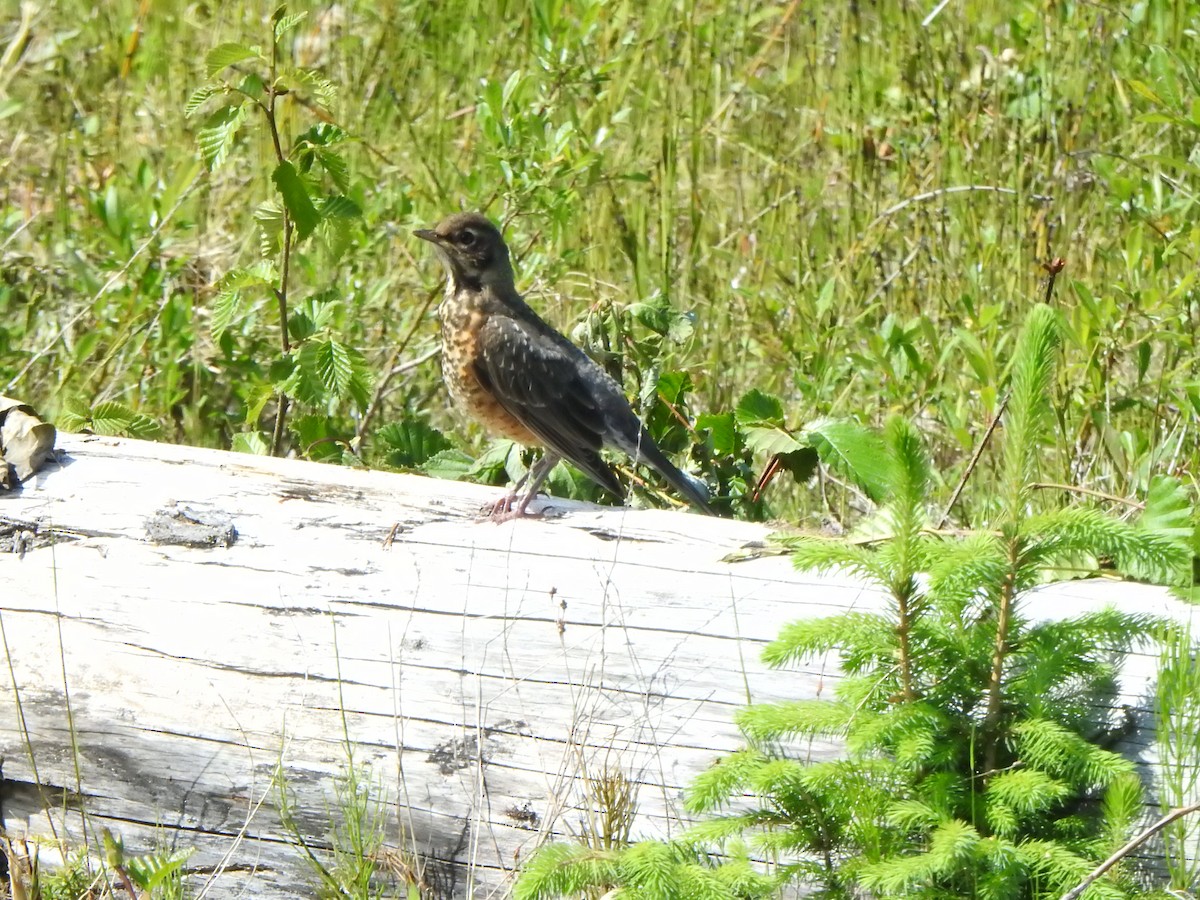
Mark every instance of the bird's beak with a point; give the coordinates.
(426, 235)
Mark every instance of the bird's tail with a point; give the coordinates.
(691, 488)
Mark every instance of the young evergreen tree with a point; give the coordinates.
(975, 761)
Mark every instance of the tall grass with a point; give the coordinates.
(854, 201)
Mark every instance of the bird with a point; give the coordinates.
(523, 380)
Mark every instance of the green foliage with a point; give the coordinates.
(832, 206)
(313, 366)
(108, 417)
(1177, 742)
(976, 734)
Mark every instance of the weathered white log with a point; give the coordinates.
(477, 672)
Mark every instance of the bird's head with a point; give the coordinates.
(472, 250)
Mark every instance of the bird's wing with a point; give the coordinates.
(546, 387)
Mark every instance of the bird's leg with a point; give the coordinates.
(505, 503)
(505, 508)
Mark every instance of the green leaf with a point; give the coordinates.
(226, 307)
(411, 443)
(770, 440)
(251, 442)
(759, 409)
(295, 198)
(1168, 510)
(151, 871)
(323, 134)
(339, 208)
(452, 465)
(216, 137)
(224, 55)
(336, 167)
(324, 91)
(339, 369)
(720, 427)
(285, 21)
(852, 451)
(201, 95)
(112, 418)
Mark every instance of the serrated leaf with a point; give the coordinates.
(411, 443)
(223, 55)
(74, 415)
(852, 451)
(337, 234)
(216, 137)
(759, 410)
(144, 427)
(324, 91)
(251, 442)
(226, 309)
(323, 134)
(453, 465)
(764, 439)
(336, 167)
(200, 96)
(341, 370)
(295, 198)
(1168, 509)
(339, 208)
(110, 418)
(287, 22)
(117, 419)
(720, 427)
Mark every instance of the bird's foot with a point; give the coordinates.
(509, 507)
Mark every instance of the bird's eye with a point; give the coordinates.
(466, 237)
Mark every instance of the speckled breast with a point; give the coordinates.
(461, 322)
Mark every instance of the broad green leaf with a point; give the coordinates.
(1168, 509)
(200, 96)
(341, 370)
(251, 442)
(228, 54)
(720, 427)
(295, 198)
(411, 443)
(216, 137)
(852, 451)
(226, 306)
(74, 416)
(449, 464)
(759, 409)
(339, 208)
(336, 167)
(110, 418)
(768, 440)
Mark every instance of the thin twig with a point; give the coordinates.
(1137, 841)
(1052, 268)
(392, 369)
(957, 189)
(281, 293)
(962, 482)
(1049, 486)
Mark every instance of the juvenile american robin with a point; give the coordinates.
(523, 380)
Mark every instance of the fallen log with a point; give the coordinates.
(201, 645)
